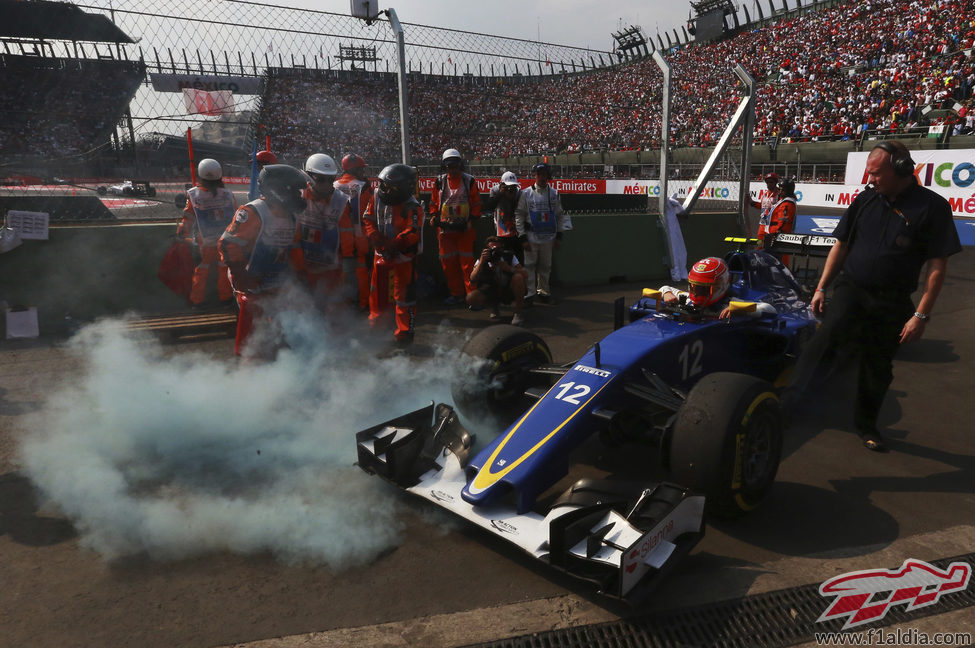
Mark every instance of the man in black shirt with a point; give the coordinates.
(883, 240)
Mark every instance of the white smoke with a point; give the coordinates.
(174, 454)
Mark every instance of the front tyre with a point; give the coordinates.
(497, 389)
(727, 442)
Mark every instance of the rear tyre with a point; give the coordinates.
(101, 191)
(151, 192)
(496, 390)
(727, 442)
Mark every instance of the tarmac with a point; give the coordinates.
(835, 508)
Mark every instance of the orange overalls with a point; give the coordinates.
(323, 239)
(454, 203)
(360, 196)
(394, 232)
(256, 247)
(205, 217)
(782, 220)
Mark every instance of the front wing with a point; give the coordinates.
(622, 539)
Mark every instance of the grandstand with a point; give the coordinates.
(61, 105)
(849, 70)
(830, 71)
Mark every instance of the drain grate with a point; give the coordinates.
(780, 618)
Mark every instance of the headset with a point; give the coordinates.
(900, 157)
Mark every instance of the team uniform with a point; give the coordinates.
(781, 220)
(539, 219)
(394, 233)
(503, 205)
(456, 202)
(205, 217)
(360, 194)
(324, 237)
(256, 247)
(888, 243)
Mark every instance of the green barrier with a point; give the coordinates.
(89, 271)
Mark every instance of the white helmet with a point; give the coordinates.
(450, 153)
(509, 178)
(321, 164)
(209, 169)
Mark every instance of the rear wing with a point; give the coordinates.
(802, 248)
(799, 244)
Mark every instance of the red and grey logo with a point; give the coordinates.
(865, 596)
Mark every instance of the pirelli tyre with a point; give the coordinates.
(727, 442)
(496, 390)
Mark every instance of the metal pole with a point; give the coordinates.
(665, 128)
(404, 117)
(747, 133)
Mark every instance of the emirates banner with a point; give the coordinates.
(484, 185)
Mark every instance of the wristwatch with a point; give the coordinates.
(924, 317)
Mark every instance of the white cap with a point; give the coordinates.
(509, 178)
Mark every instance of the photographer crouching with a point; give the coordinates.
(498, 279)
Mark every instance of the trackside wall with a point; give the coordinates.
(90, 271)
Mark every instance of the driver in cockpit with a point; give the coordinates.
(708, 284)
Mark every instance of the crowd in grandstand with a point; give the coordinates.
(62, 107)
(828, 73)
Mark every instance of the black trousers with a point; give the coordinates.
(863, 322)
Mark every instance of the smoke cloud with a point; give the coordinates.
(174, 454)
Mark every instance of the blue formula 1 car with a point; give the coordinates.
(697, 387)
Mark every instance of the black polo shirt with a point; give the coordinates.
(890, 242)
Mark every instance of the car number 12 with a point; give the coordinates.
(578, 391)
(690, 359)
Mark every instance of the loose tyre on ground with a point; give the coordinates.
(727, 442)
(497, 390)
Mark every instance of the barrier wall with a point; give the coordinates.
(89, 271)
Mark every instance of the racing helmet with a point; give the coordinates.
(283, 184)
(321, 164)
(351, 162)
(209, 169)
(543, 167)
(397, 182)
(451, 156)
(266, 157)
(709, 280)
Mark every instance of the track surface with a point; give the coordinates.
(835, 508)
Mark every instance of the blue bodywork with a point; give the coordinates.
(678, 346)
